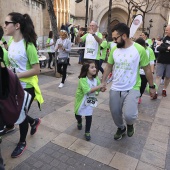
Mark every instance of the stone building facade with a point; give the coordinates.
(35, 8)
(98, 11)
(62, 11)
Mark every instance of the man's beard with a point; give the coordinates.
(121, 44)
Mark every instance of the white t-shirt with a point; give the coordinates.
(83, 109)
(17, 56)
(127, 62)
(52, 48)
(91, 47)
(18, 59)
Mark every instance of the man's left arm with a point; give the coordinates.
(149, 76)
(97, 38)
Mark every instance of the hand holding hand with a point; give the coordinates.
(103, 87)
(153, 94)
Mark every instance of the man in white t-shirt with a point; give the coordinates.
(127, 58)
(92, 40)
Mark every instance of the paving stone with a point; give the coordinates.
(55, 163)
(162, 121)
(38, 164)
(101, 154)
(58, 120)
(162, 137)
(82, 147)
(56, 154)
(142, 166)
(64, 158)
(22, 166)
(44, 157)
(160, 128)
(156, 146)
(71, 161)
(153, 158)
(167, 165)
(50, 105)
(64, 140)
(48, 151)
(7, 148)
(79, 157)
(123, 162)
(46, 167)
(60, 104)
(62, 166)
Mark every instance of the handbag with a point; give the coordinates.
(62, 60)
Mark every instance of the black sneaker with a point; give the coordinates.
(79, 126)
(119, 134)
(34, 127)
(7, 130)
(2, 132)
(19, 150)
(130, 130)
(87, 136)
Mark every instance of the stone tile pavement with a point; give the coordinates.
(59, 145)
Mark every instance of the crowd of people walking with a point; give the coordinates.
(130, 66)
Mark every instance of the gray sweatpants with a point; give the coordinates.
(124, 102)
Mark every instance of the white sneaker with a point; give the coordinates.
(61, 85)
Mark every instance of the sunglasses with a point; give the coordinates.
(115, 38)
(9, 22)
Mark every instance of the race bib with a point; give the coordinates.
(90, 51)
(91, 101)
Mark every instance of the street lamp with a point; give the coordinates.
(164, 29)
(150, 26)
(134, 12)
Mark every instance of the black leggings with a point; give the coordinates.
(23, 127)
(62, 69)
(88, 122)
(143, 84)
(51, 56)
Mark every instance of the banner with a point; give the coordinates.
(137, 21)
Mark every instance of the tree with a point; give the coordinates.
(144, 6)
(53, 20)
(130, 7)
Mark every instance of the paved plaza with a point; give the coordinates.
(58, 145)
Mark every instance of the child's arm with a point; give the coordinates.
(97, 88)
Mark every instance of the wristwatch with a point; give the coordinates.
(152, 87)
(93, 35)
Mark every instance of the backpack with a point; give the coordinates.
(14, 101)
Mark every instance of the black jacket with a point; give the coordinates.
(164, 54)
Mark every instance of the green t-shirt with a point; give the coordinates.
(5, 57)
(84, 39)
(3, 39)
(149, 42)
(104, 45)
(82, 90)
(127, 62)
(151, 54)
